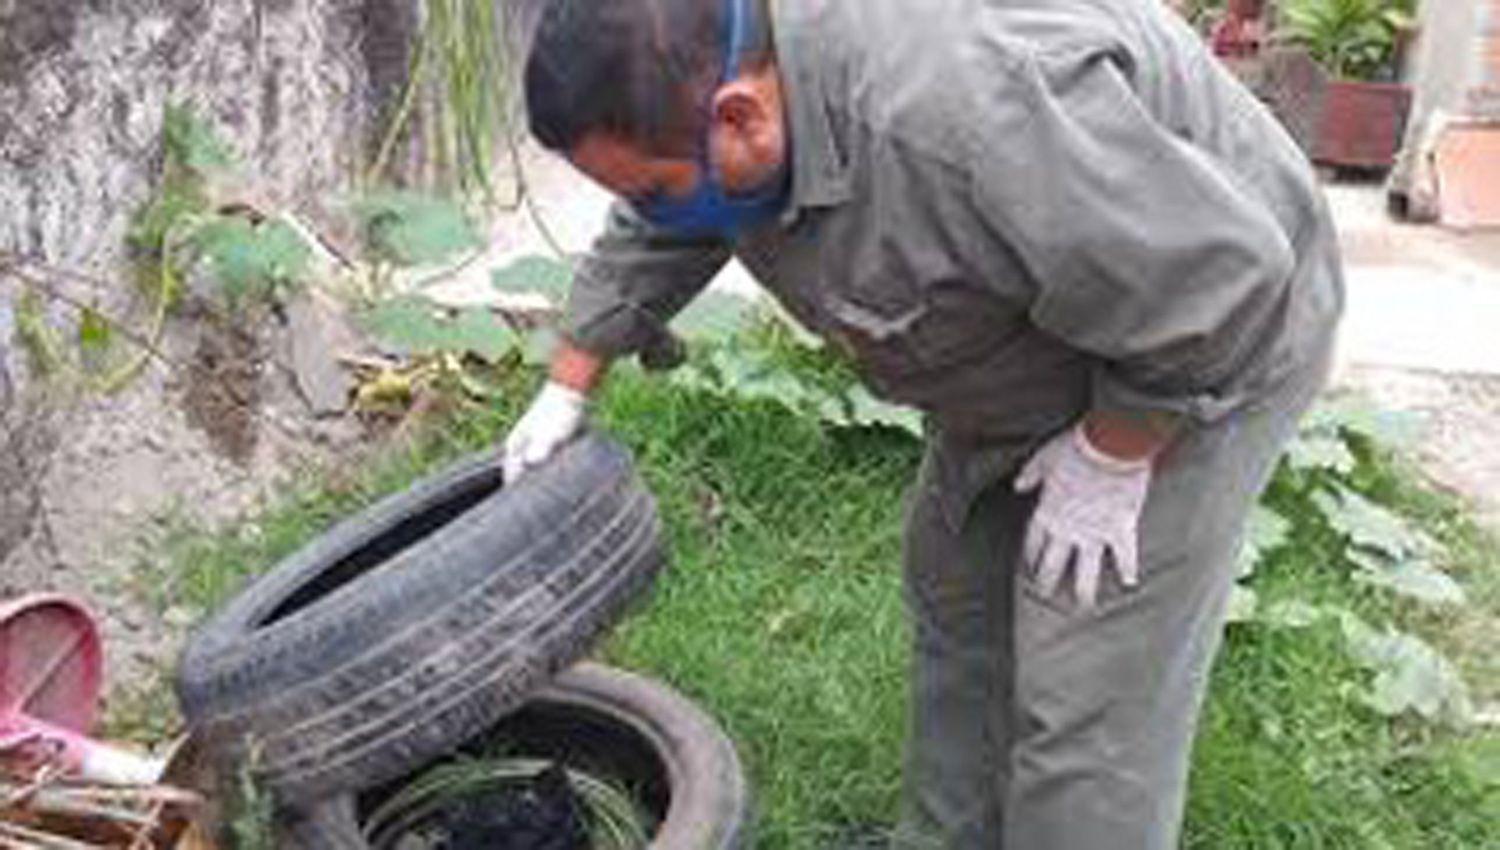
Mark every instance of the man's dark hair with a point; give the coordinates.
(642, 70)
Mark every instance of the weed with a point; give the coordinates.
(609, 812)
(458, 98)
(251, 809)
(176, 233)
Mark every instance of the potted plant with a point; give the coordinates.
(1364, 109)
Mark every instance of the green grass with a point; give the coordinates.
(1470, 634)
(782, 615)
(1288, 756)
(783, 612)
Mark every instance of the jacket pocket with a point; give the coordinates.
(911, 339)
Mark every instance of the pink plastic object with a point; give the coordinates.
(51, 663)
(51, 672)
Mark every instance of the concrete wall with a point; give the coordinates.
(296, 87)
(1448, 77)
(83, 84)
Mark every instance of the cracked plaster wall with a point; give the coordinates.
(295, 87)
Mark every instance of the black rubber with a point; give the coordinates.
(708, 806)
(629, 725)
(330, 825)
(411, 627)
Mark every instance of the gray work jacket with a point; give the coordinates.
(1010, 212)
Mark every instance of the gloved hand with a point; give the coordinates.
(555, 416)
(1090, 503)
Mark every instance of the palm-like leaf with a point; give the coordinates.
(1351, 38)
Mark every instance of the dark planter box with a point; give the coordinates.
(1361, 124)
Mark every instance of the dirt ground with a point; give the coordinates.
(167, 447)
(1460, 443)
(1424, 304)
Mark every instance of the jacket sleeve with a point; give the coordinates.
(1144, 250)
(632, 282)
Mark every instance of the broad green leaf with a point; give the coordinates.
(1371, 525)
(410, 229)
(744, 375)
(1390, 428)
(538, 345)
(1409, 674)
(1419, 581)
(748, 358)
(229, 246)
(715, 316)
(407, 325)
(866, 409)
(1265, 530)
(480, 332)
(1414, 576)
(1313, 451)
(1242, 604)
(250, 261)
(748, 374)
(415, 326)
(191, 142)
(542, 275)
(286, 253)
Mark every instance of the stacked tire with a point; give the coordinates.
(418, 624)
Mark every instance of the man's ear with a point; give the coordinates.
(737, 105)
(748, 141)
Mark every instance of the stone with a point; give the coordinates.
(318, 334)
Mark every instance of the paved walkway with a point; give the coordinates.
(1423, 334)
(1420, 298)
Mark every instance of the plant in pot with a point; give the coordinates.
(1359, 43)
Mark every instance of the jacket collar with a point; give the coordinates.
(808, 66)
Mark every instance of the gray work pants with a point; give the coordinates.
(1036, 726)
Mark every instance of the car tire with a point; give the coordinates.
(598, 715)
(412, 626)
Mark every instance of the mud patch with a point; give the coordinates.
(1460, 446)
(222, 395)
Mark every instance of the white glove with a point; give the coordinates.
(1090, 503)
(555, 416)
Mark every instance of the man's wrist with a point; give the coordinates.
(577, 369)
(1129, 436)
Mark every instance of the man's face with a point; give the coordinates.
(747, 141)
(630, 172)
